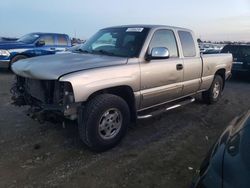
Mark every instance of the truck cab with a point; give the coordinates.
(31, 45)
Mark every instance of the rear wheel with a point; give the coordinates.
(103, 121)
(214, 93)
(16, 58)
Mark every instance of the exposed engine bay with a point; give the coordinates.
(48, 99)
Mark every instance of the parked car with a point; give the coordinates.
(122, 73)
(227, 164)
(210, 48)
(241, 57)
(31, 45)
(211, 51)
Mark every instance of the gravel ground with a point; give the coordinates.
(164, 151)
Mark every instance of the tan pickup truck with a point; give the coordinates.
(119, 75)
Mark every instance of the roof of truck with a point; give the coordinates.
(147, 26)
(43, 33)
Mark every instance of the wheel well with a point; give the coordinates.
(24, 55)
(125, 92)
(222, 73)
(16, 55)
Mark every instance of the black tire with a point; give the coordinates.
(15, 59)
(209, 96)
(91, 115)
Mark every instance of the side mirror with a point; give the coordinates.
(158, 53)
(40, 43)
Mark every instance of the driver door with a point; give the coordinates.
(161, 79)
(48, 48)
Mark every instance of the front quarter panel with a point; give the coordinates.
(87, 82)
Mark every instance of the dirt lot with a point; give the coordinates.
(155, 153)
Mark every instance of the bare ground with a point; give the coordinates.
(157, 152)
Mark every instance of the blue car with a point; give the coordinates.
(31, 45)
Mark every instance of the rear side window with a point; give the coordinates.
(187, 43)
(48, 39)
(165, 38)
(62, 40)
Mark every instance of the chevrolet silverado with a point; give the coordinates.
(119, 75)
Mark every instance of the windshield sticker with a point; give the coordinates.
(134, 30)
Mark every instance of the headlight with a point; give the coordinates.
(4, 53)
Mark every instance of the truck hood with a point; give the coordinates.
(51, 67)
(7, 45)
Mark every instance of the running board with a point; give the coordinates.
(150, 113)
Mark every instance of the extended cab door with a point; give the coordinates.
(161, 79)
(62, 43)
(192, 63)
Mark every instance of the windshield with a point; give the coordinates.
(30, 38)
(122, 42)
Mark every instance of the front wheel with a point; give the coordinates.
(214, 93)
(103, 121)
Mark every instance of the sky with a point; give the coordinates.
(214, 20)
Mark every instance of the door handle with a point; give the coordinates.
(52, 48)
(179, 66)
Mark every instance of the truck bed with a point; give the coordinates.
(221, 61)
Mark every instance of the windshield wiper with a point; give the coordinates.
(83, 51)
(103, 52)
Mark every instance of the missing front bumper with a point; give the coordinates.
(45, 98)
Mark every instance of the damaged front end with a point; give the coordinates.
(48, 99)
